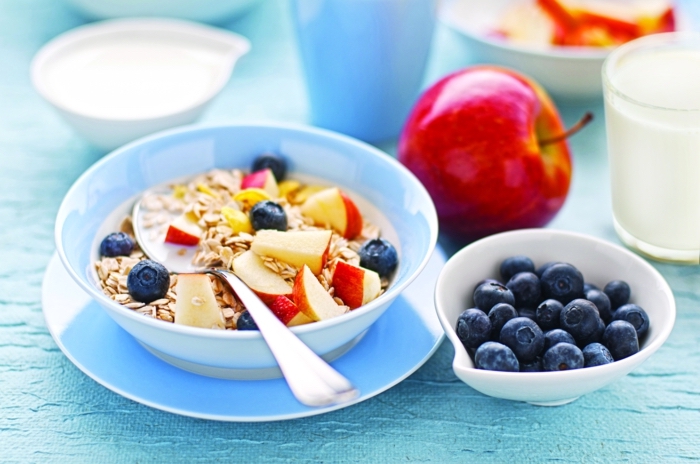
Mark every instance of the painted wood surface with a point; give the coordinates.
(51, 412)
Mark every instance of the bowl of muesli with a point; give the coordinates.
(325, 229)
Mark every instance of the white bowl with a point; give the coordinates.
(572, 73)
(115, 81)
(598, 260)
(208, 11)
(386, 193)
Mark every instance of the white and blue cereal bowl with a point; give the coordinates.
(386, 193)
(599, 261)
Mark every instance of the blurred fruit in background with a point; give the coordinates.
(593, 23)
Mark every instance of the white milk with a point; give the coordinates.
(136, 78)
(654, 151)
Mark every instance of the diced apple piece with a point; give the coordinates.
(312, 299)
(332, 208)
(183, 231)
(355, 285)
(263, 179)
(300, 195)
(196, 304)
(266, 283)
(287, 312)
(296, 248)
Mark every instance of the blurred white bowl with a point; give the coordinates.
(598, 260)
(566, 72)
(208, 11)
(115, 81)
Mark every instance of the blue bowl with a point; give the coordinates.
(393, 198)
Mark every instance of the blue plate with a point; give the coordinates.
(401, 340)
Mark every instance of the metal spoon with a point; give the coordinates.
(311, 379)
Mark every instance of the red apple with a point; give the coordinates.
(263, 179)
(287, 312)
(312, 299)
(333, 208)
(485, 142)
(183, 231)
(355, 285)
(266, 283)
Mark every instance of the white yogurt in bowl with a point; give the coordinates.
(115, 81)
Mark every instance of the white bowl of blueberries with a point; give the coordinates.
(545, 316)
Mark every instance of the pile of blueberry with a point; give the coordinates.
(549, 319)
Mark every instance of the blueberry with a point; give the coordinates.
(595, 354)
(619, 293)
(473, 327)
(379, 256)
(116, 244)
(499, 315)
(525, 287)
(267, 214)
(554, 336)
(562, 357)
(275, 163)
(562, 282)
(527, 312)
(547, 314)
(540, 270)
(595, 336)
(148, 281)
(524, 337)
(589, 286)
(602, 302)
(514, 264)
(534, 366)
(580, 318)
(494, 356)
(485, 281)
(620, 337)
(487, 295)
(246, 322)
(635, 316)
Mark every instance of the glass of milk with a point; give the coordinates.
(652, 112)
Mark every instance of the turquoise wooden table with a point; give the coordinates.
(50, 411)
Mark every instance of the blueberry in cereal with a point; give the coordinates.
(116, 244)
(148, 281)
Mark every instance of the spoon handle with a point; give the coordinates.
(311, 379)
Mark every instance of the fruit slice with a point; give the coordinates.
(296, 248)
(332, 208)
(250, 196)
(196, 304)
(183, 231)
(263, 179)
(287, 312)
(266, 283)
(355, 285)
(237, 220)
(312, 299)
(299, 196)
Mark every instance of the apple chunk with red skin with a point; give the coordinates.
(183, 231)
(294, 247)
(312, 299)
(333, 208)
(355, 285)
(475, 139)
(267, 284)
(288, 312)
(263, 179)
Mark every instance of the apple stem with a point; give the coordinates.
(588, 117)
